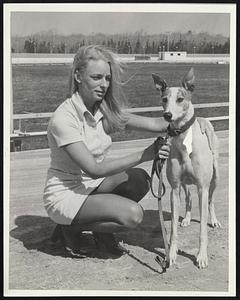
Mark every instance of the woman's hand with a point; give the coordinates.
(162, 148)
(156, 150)
(163, 152)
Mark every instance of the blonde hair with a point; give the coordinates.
(111, 106)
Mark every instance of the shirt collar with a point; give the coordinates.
(83, 112)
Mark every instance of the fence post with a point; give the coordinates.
(15, 145)
(11, 103)
(12, 143)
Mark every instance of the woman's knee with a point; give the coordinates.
(132, 184)
(138, 183)
(134, 217)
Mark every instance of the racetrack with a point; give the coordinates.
(38, 267)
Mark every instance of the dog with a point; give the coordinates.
(192, 160)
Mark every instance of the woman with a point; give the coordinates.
(84, 189)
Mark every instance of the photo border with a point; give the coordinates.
(121, 7)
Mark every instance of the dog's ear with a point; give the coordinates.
(160, 83)
(188, 80)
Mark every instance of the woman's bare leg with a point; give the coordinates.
(112, 206)
(132, 184)
(108, 213)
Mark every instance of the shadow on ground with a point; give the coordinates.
(35, 232)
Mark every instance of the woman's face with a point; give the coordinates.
(95, 81)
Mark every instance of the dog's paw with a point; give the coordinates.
(215, 223)
(185, 222)
(173, 255)
(202, 260)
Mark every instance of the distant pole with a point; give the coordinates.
(168, 33)
(11, 103)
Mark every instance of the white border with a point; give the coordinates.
(122, 7)
(232, 154)
(6, 141)
(116, 7)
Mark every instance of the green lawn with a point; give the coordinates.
(41, 88)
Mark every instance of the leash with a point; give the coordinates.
(157, 168)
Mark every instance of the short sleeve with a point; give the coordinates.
(66, 129)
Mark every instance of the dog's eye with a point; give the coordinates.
(180, 99)
(164, 100)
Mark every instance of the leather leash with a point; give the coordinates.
(157, 168)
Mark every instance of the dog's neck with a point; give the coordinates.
(178, 127)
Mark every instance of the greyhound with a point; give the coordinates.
(191, 161)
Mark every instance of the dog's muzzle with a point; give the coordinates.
(167, 116)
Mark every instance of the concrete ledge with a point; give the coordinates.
(130, 59)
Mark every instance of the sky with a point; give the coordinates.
(27, 23)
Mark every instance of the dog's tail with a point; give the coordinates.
(213, 145)
(215, 176)
(215, 157)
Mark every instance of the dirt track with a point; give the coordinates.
(37, 264)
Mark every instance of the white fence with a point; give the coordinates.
(18, 135)
(26, 58)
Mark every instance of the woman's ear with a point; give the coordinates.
(77, 76)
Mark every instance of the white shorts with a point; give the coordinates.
(65, 193)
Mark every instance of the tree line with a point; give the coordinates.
(138, 43)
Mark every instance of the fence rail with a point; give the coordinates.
(17, 136)
(132, 110)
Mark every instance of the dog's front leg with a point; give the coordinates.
(175, 204)
(202, 259)
(187, 219)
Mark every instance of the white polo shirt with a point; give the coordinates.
(71, 123)
(67, 186)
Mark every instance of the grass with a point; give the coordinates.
(41, 88)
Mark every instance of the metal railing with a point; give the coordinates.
(17, 136)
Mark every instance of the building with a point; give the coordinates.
(172, 55)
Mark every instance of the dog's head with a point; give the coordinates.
(176, 101)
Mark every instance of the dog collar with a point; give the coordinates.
(177, 131)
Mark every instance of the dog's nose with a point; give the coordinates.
(167, 116)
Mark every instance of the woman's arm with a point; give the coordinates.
(85, 160)
(160, 125)
(137, 122)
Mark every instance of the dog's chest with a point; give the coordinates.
(180, 158)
